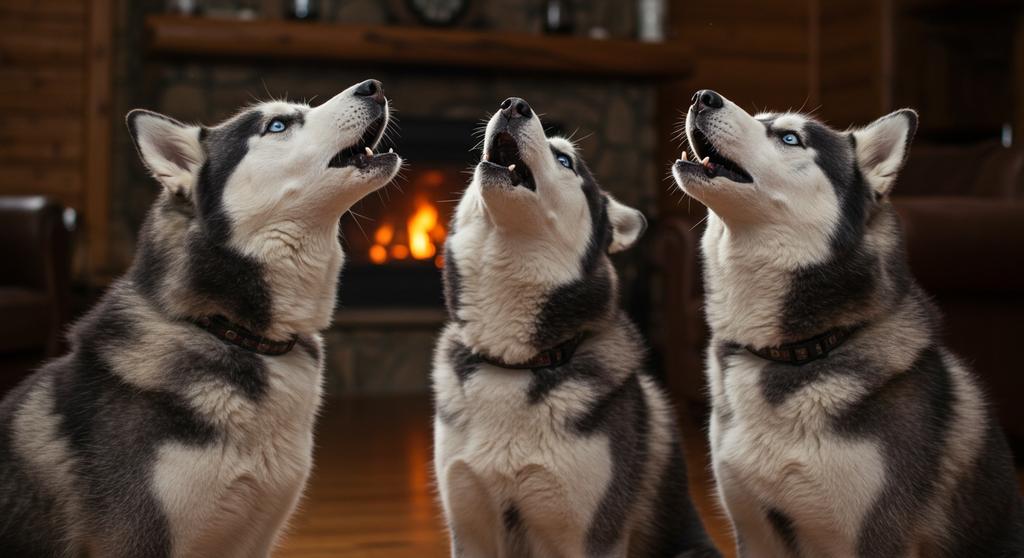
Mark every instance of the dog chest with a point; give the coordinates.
(786, 456)
(258, 465)
(507, 440)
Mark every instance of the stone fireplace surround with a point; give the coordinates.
(388, 351)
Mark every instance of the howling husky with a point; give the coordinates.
(180, 424)
(841, 426)
(550, 438)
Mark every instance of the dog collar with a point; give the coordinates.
(809, 350)
(550, 358)
(235, 334)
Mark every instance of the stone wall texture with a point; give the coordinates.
(610, 120)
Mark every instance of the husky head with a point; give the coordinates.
(247, 223)
(791, 200)
(526, 266)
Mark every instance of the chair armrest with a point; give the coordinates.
(36, 234)
(962, 244)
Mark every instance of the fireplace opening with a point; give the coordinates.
(394, 247)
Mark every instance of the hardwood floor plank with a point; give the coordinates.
(372, 495)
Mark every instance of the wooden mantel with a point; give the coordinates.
(449, 48)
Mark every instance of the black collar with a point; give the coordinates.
(235, 334)
(551, 358)
(808, 350)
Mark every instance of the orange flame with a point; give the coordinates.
(423, 235)
(419, 227)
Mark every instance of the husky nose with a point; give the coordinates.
(373, 89)
(708, 98)
(514, 107)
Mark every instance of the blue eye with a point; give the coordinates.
(564, 160)
(276, 126)
(790, 139)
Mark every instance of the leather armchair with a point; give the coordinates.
(35, 272)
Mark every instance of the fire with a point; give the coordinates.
(423, 234)
(419, 226)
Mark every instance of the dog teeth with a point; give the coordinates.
(487, 157)
(684, 156)
(511, 168)
(705, 161)
(391, 150)
(369, 152)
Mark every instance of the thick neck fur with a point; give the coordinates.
(278, 282)
(766, 288)
(516, 296)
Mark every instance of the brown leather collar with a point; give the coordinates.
(550, 358)
(235, 334)
(808, 350)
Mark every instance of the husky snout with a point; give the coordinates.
(514, 107)
(707, 99)
(512, 138)
(372, 90)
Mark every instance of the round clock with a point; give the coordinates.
(435, 13)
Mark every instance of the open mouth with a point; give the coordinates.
(713, 163)
(504, 154)
(360, 153)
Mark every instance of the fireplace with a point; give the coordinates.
(394, 241)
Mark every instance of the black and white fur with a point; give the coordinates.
(152, 437)
(886, 447)
(581, 459)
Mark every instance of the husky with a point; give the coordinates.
(841, 425)
(181, 422)
(550, 438)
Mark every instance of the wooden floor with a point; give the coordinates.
(371, 493)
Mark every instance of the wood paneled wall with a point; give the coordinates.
(55, 107)
(1018, 89)
(755, 53)
(853, 56)
(851, 61)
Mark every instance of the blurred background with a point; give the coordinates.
(614, 75)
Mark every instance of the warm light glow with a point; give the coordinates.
(384, 235)
(378, 254)
(419, 227)
(432, 178)
(439, 261)
(437, 234)
(421, 239)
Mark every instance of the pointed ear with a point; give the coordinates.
(170, 150)
(627, 225)
(883, 146)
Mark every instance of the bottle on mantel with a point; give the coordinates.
(303, 10)
(183, 7)
(651, 20)
(558, 17)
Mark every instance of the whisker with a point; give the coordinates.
(358, 224)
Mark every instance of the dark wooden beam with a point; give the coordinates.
(97, 134)
(284, 40)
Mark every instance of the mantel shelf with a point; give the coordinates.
(439, 48)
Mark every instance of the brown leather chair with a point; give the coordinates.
(35, 272)
(962, 210)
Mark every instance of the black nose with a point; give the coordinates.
(373, 89)
(514, 107)
(708, 98)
